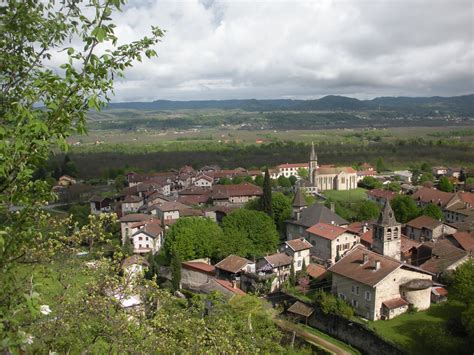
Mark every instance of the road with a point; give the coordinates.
(310, 337)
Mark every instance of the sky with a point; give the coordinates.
(300, 49)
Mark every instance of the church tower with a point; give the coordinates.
(313, 165)
(299, 204)
(387, 234)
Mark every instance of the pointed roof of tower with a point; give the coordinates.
(313, 155)
(387, 217)
(299, 200)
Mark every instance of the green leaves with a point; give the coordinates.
(99, 33)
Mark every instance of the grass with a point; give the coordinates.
(351, 196)
(330, 339)
(402, 330)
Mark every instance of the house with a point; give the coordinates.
(330, 242)
(100, 204)
(131, 204)
(66, 180)
(288, 170)
(409, 250)
(194, 196)
(239, 194)
(301, 310)
(441, 256)
(169, 211)
(378, 286)
(278, 265)
(403, 175)
(299, 250)
(304, 216)
(316, 271)
(425, 228)
(196, 273)
(463, 240)
(361, 174)
(439, 170)
(233, 266)
(203, 181)
(427, 195)
(460, 208)
(148, 238)
(380, 196)
(127, 221)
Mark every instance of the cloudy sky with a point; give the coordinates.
(300, 49)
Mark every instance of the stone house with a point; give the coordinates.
(203, 181)
(330, 242)
(425, 228)
(128, 221)
(233, 266)
(239, 194)
(463, 240)
(279, 265)
(148, 238)
(378, 286)
(441, 256)
(460, 208)
(169, 211)
(131, 204)
(299, 250)
(100, 205)
(427, 195)
(380, 196)
(196, 273)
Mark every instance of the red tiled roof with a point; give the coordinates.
(244, 189)
(380, 193)
(429, 195)
(132, 199)
(327, 231)
(279, 259)
(395, 303)
(293, 165)
(228, 285)
(467, 197)
(407, 243)
(299, 244)
(135, 217)
(316, 270)
(232, 263)
(441, 291)
(335, 170)
(424, 222)
(301, 309)
(367, 237)
(465, 240)
(199, 266)
(171, 206)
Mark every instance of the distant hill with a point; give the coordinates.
(460, 105)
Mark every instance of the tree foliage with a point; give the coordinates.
(266, 199)
(405, 208)
(445, 185)
(433, 211)
(249, 233)
(369, 182)
(367, 210)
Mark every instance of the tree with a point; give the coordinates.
(367, 210)
(425, 177)
(462, 287)
(253, 230)
(176, 272)
(281, 207)
(259, 180)
(193, 237)
(80, 214)
(266, 199)
(237, 180)
(394, 186)
(292, 276)
(120, 182)
(225, 181)
(433, 211)
(303, 173)
(284, 181)
(425, 167)
(445, 185)
(369, 182)
(293, 179)
(380, 165)
(405, 208)
(31, 32)
(462, 175)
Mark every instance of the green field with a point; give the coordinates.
(402, 330)
(350, 196)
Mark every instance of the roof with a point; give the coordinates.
(153, 229)
(443, 255)
(135, 260)
(199, 266)
(316, 270)
(204, 177)
(426, 222)
(317, 213)
(327, 231)
(429, 195)
(465, 240)
(171, 206)
(381, 193)
(395, 303)
(298, 244)
(244, 189)
(301, 309)
(233, 263)
(228, 285)
(335, 170)
(132, 199)
(135, 217)
(407, 244)
(367, 237)
(387, 217)
(439, 291)
(278, 259)
(352, 266)
(97, 198)
(299, 200)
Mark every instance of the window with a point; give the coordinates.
(299, 263)
(355, 289)
(342, 296)
(368, 296)
(140, 238)
(355, 303)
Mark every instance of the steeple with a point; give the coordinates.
(299, 203)
(313, 156)
(387, 234)
(313, 164)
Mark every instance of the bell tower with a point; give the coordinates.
(313, 164)
(299, 204)
(387, 234)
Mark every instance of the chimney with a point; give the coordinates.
(365, 228)
(333, 207)
(365, 257)
(332, 223)
(377, 265)
(234, 284)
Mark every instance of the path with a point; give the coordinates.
(310, 337)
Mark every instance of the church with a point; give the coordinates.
(328, 177)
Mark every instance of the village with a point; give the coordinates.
(380, 267)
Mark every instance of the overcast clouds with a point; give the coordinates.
(300, 49)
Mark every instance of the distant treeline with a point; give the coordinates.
(460, 105)
(400, 154)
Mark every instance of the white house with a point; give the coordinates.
(148, 238)
(299, 250)
(131, 204)
(128, 222)
(203, 181)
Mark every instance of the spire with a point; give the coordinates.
(387, 217)
(299, 200)
(313, 156)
